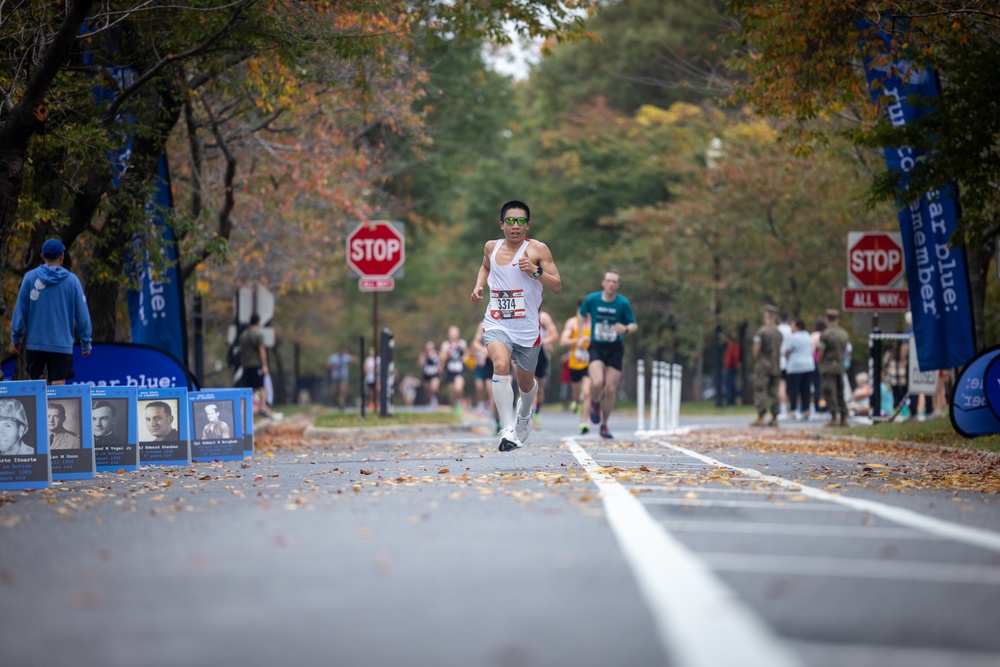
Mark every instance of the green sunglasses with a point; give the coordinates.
(521, 222)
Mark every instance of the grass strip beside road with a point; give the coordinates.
(932, 432)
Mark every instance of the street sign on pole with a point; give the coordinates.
(376, 249)
(875, 299)
(874, 259)
(376, 284)
(255, 299)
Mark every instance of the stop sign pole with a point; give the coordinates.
(376, 251)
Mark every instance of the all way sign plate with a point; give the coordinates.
(875, 299)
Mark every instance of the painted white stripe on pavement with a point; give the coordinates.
(701, 622)
(798, 530)
(752, 504)
(709, 490)
(979, 537)
(837, 653)
(856, 568)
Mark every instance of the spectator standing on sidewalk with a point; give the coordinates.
(253, 359)
(731, 364)
(800, 366)
(767, 367)
(833, 345)
(50, 310)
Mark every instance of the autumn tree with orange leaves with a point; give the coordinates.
(277, 104)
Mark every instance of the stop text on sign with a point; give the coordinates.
(874, 259)
(379, 250)
(376, 249)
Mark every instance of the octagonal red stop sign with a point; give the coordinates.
(874, 259)
(375, 249)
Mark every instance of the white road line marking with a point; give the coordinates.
(701, 622)
(708, 490)
(751, 504)
(640, 457)
(856, 568)
(836, 653)
(665, 466)
(980, 537)
(799, 530)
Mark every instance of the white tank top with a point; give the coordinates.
(515, 299)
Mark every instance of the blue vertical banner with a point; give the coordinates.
(156, 308)
(935, 271)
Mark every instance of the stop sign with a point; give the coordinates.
(874, 259)
(375, 249)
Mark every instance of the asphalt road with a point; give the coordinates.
(711, 547)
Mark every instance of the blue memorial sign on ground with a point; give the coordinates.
(123, 365)
(24, 436)
(113, 414)
(216, 425)
(71, 442)
(970, 413)
(991, 386)
(163, 426)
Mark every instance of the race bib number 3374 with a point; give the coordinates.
(507, 304)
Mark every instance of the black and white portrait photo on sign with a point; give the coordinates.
(17, 437)
(113, 418)
(163, 426)
(24, 440)
(216, 425)
(158, 421)
(71, 444)
(64, 424)
(214, 419)
(109, 417)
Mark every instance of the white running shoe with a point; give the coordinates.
(508, 440)
(523, 424)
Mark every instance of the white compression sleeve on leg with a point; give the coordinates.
(503, 396)
(528, 399)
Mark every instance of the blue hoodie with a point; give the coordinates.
(50, 303)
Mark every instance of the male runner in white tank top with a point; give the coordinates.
(515, 269)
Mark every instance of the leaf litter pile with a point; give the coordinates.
(881, 465)
(335, 470)
(344, 468)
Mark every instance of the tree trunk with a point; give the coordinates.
(978, 265)
(102, 302)
(11, 181)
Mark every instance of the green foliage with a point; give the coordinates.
(644, 52)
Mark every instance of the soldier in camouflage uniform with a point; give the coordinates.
(767, 370)
(832, 348)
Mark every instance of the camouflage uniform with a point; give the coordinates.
(767, 370)
(833, 342)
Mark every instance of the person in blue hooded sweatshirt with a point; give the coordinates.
(50, 311)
